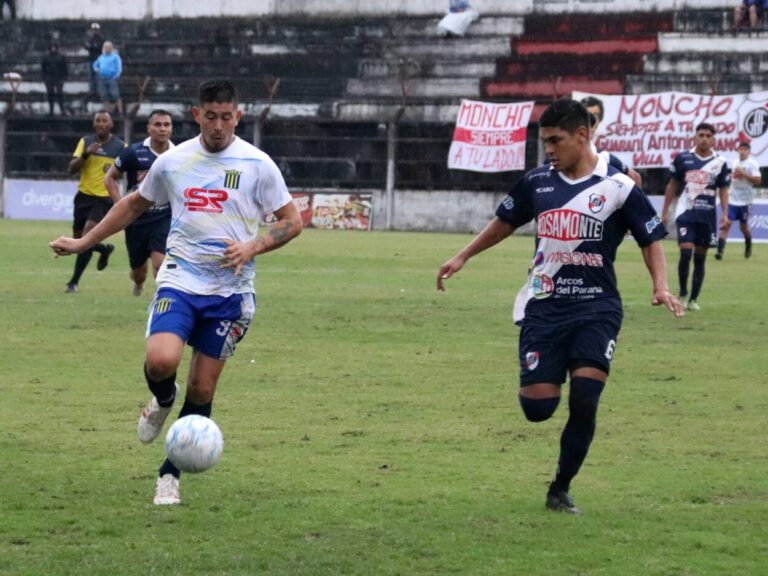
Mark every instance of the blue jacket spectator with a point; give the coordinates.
(108, 68)
(108, 65)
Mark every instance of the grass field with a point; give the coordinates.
(371, 424)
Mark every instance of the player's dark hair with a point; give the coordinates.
(706, 126)
(566, 114)
(158, 112)
(744, 144)
(589, 101)
(219, 91)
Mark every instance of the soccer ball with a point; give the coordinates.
(194, 443)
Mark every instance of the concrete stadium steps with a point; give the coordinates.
(704, 21)
(488, 25)
(683, 42)
(415, 87)
(540, 88)
(706, 63)
(525, 47)
(598, 26)
(589, 52)
(696, 83)
(596, 66)
(393, 68)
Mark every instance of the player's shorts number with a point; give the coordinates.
(609, 350)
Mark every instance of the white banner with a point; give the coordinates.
(39, 199)
(648, 130)
(490, 137)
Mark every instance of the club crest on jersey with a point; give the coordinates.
(565, 224)
(532, 360)
(232, 179)
(596, 202)
(542, 286)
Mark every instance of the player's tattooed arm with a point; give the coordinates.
(287, 227)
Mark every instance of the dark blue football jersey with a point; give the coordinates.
(700, 179)
(579, 226)
(134, 162)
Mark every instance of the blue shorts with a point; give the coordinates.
(212, 325)
(697, 233)
(548, 353)
(739, 213)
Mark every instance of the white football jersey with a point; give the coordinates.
(214, 197)
(742, 190)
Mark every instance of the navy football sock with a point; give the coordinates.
(190, 407)
(683, 267)
(720, 245)
(168, 468)
(81, 263)
(579, 430)
(698, 274)
(164, 390)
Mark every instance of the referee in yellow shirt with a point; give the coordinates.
(93, 157)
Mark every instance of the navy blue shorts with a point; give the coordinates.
(548, 353)
(89, 207)
(739, 213)
(142, 239)
(697, 233)
(212, 325)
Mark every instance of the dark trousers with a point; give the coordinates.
(55, 90)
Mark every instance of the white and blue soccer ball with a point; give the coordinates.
(194, 443)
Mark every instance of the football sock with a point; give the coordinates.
(579, 430)
(698, 274)
(192, 408)
(164, 390)
(81, 263)
(747, 245)
(538, 409)
(683, 267)
(720, 245)
(168, 468)
(100, 248)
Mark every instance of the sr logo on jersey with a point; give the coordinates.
(202, 200)
(565, 224)
(596, 202)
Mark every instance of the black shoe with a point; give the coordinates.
(104, 256)
(719, 256)
(71, 288)
(561, 502)
(748, 251)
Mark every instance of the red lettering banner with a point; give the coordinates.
(490, 137)
(649, 130)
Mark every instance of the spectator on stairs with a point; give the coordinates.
(749, 11)
(108, 68)
(54, 71)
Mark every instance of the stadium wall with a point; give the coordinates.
(133, 9)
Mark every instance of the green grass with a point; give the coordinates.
(371, 424)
